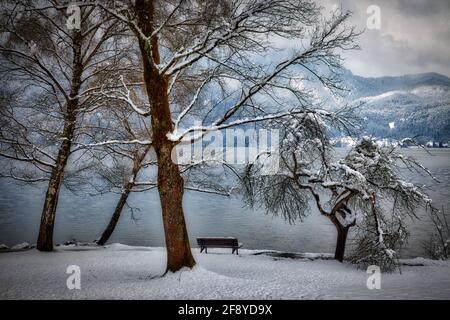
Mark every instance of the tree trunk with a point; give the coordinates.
(115, 217)
(126, 190)
(45, 238)
(170, 181)
(341, 240)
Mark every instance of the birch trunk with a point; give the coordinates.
(45, 238)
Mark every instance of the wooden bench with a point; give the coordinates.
(219, 242)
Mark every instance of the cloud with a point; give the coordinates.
(414, 37)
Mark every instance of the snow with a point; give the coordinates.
(21, 246)
(349, 172)
(382, 96)
(123, 272)
(328, 184)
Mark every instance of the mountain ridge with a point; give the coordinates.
(412, 105)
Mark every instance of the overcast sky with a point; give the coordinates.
(414, 37)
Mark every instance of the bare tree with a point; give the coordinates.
(196, 45)
(121, 163)
(52, 66)
(126, 189)
(187, 46)
(118, 102)
(118, 166)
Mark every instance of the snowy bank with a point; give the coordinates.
(124, 272)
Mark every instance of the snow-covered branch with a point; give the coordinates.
(126, 97)
(82, 146)
(199, 131)
(210, 191)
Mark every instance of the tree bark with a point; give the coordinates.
(170, 181)
(341, 240)
(115, 217)
(45, 238)
(126, 190)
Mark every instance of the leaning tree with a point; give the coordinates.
(112, 166)
(365, 188)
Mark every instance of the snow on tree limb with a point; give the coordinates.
(124, 96)
(111, 142)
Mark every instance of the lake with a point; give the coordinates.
(83, 218)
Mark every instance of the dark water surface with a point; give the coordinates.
(83, 218)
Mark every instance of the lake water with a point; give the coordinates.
(83, 218)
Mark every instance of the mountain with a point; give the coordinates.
(404, 106)
(408, 106)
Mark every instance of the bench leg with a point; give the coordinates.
(206, 249)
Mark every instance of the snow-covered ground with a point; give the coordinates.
(124, 272)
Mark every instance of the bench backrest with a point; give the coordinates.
(219, 242)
